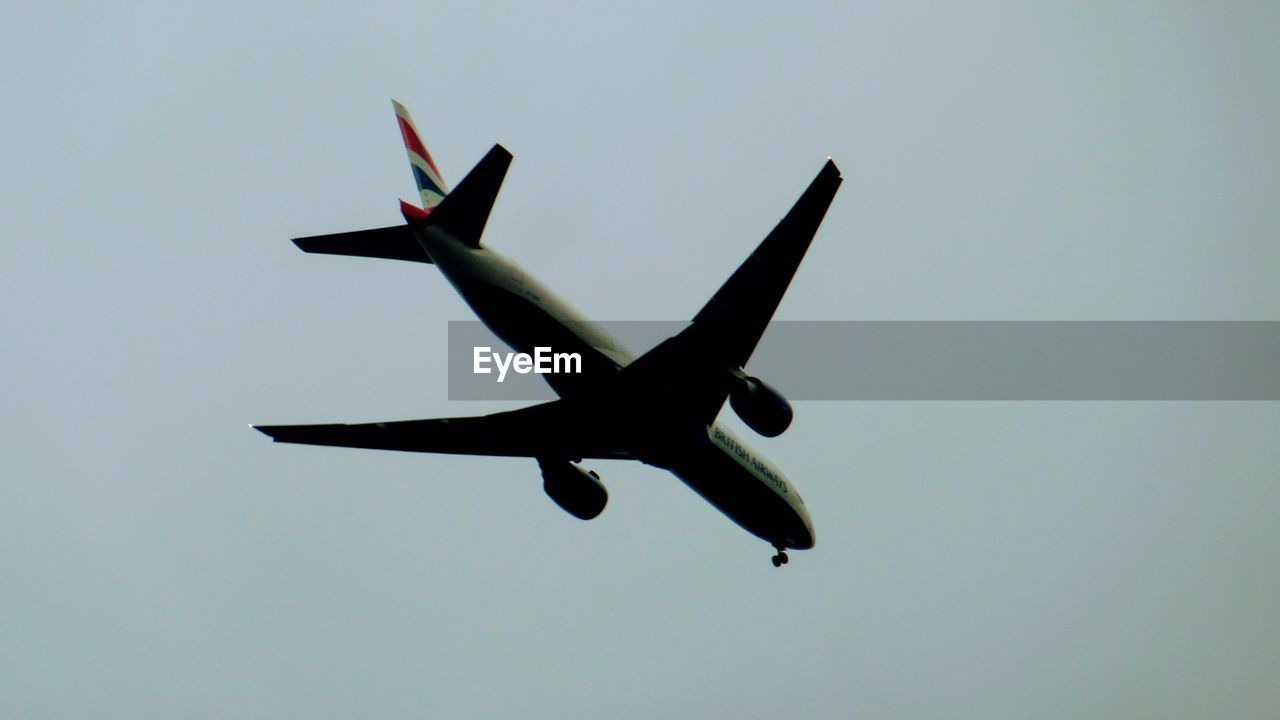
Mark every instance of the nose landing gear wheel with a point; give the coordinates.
(780, 559)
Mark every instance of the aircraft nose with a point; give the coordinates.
(804, 537)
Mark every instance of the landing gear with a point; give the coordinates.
(780, 559)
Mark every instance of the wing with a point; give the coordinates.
(732, 322)
(548, 430)
(699, 364)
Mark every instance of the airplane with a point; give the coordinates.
(659, 408)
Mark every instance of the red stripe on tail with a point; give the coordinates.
(413, 214)
(414, 144)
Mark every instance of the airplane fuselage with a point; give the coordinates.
(709, 459)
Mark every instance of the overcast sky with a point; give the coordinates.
(1070, 160)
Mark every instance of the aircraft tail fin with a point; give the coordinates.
(431, 185)
(465, 211)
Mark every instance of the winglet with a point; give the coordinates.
(431, 185)
(465, 212)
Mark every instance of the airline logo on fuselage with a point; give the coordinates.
(746, 458)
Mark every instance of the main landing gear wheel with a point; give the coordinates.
(780, 559)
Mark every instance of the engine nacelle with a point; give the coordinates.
(761, 407)
(579, 492)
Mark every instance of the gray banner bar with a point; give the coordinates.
(945, 360)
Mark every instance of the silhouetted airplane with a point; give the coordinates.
(659, 408)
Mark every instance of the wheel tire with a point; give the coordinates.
(777, 561)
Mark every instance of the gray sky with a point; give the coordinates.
(1055, 161)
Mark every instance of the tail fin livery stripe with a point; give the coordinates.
(412, 142)
(431, 185)
(414, 145)
(426, 185)
(413, 214)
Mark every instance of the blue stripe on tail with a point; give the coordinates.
(424, 182)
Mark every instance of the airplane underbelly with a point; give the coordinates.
(525, 326)
(744, 498)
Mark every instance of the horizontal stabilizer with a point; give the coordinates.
(465, 211)
(393, 243)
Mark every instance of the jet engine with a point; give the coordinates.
(579, 492)
(761, 407)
